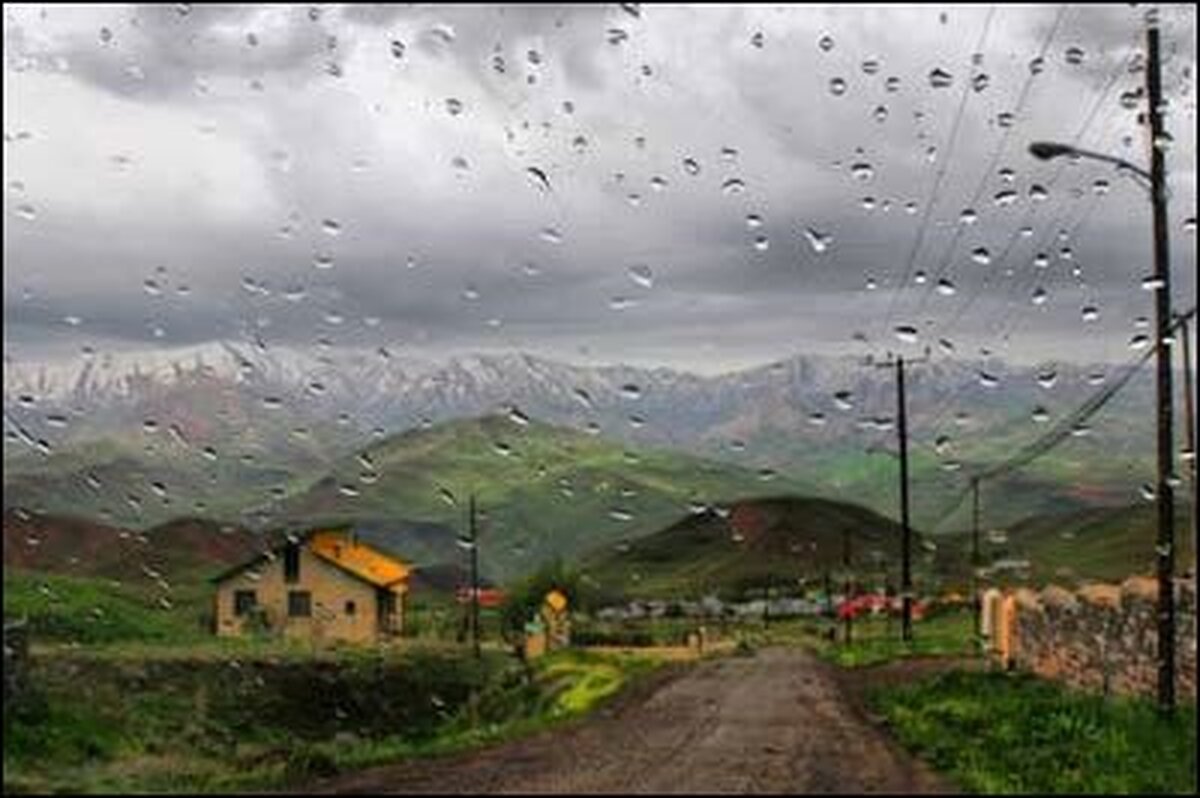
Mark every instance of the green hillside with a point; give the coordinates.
(542, 491)
(1070, 547)
(759, 543)
(1103, 544)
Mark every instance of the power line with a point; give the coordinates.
(1071, 424)
(937, 183)
(979, 189)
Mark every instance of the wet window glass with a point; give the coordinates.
(465, 368)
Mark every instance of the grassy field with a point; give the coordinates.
(874, 641)
(1015, 734)
(91, 611)
(258, 721)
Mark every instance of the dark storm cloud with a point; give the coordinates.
(483, 275)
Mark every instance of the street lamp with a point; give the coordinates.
(1046, 150)
(1165, 546)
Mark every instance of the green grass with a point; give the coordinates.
(116, 722)
(81, 610)
(1016, 734)
(874, 641)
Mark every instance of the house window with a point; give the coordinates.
(299, 604)
(350, 608)
(244, 601)
(291, 563)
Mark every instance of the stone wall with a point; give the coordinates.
(1100, 637)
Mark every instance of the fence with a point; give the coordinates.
(1100, 637)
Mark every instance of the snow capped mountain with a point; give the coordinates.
(243, 389)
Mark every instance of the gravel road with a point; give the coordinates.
(781, 721)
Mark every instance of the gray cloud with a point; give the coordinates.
(212, 177)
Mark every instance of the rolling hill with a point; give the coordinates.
(542, 491)
(753, 544)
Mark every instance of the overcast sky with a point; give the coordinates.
(363, 174)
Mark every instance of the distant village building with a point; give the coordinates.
(327, 586)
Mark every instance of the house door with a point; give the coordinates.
(385, 611)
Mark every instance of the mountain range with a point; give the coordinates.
(236, 431)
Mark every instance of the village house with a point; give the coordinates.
(325, 586)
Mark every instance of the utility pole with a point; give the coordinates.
(1189, 426)
(848, 585)
(976, 600)
(906, 527)
(1166, 443)
(474, 580)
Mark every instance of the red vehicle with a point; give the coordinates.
(876, 604)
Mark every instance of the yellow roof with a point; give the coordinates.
(358, 558)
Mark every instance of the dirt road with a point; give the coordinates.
(777, 722)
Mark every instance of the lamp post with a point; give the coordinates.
(1165, 546)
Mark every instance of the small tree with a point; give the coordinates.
(525, 598)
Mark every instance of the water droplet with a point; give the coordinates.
(1038, 193)
(968, 216)
(1152, 283)
(819, 241)
(870, 66)
(1074, 55)
(862, 170)
(621, 303)
(920, 278)
(981, 256)
(761, 243)
(691, 166)
(868, 203)
(1047, 379)
(817, 419)
(631, 391)
(1037, 65)
(906, 333)
(1139, 341)
(642, 275)
(616, 36)
(892, 84)
(733, 185)
(1006, 118)
(880, 113)
(825, 43)
(940, 79)
(1090, 313)
(979, 82)
(1040, 415)
(753, 221)
(837, 87)
(551, 235)
(1005, 198)
(757, 39)
(946, 288)
(658, 183)
(988, 380)
(1148, 492)
(1039, 296)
